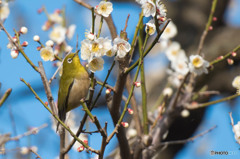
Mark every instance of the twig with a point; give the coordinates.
(38, 156)
(205, 32)
(225, 56)
(5, 96)
(104, 143)
(30, 132)
(56, 117)
(125, 28)
(47, 88)
(196, 106)
(191, 139)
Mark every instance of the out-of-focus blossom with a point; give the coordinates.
(85, 49)
(70, 31)
(104, 8)
(167, 91)
(180, 64)
(49, 43)
(36, 38)
(149, 8)
(95, 64)
(236, 82)
(121, 46)
(173, 51)
(56, 18)
(23, 30)
(170, 31)
(58, 34)
(198, 65)
(14, 54)
(4, 11)
(47, 54)
(236, 130)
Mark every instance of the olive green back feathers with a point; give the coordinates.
(73, 86)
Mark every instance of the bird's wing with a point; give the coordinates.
(63, 95)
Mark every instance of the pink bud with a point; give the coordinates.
(210, 28)
(39, 48)
(80, 148)
(40, 10)
(108, 91)
(220, 58)
(58, 11)
(125, 124)
(85, 141)
(130, 111)
(214, 19)
(234, 54)
(137, 84)
(46, 103)
(25, 43)
(230, 61)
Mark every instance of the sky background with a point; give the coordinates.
(28, 112)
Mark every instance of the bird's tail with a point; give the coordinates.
(62, 117)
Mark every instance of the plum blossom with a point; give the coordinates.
(198, 65)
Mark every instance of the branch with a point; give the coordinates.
(5, 96)
(205, 32)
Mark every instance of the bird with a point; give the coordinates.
(73, 86)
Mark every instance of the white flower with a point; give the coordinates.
(236, 82)
(24, 30)
(150, 27)
(170, 31)
(58, 34)
(36, 38)
(24, 150)
(173, 51)
(14, 54)
(49, 43)
(106, 48)
(104, 8)
(68, 48)
(236, 130)
(95, 64)
(149, 8)
(131, 133)
(180, 64)
(71, 31)
(56, 18)
(90, 36)
(161, 11)
(4, 11)
(85, 49)
(96, 46)
(121, 46)
(167, 91)
(47, 54)
(198, 65)
(34, 148)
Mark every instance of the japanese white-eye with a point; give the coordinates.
(73, 86)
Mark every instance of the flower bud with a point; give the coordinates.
(230, 61)
(137, 84)
(23, 30)
(85, 141)
(234, 54)
(125, 124)
(36, 38)
(39, 48)
(210, 28)
(130, 111)
(50, 43)
(80, 148)
(14, 54)
(25, 44)
(108, 91)
(185, 113)
(214, 19)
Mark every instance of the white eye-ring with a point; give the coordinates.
(69, 60)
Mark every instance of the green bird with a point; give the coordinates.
(73, 86)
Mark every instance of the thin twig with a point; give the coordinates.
(205, 32)
(196, 106)
(38, 156)
(191, 139)
(125, 28)
(5, 96)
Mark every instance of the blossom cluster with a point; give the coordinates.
(93, 49)
(4, 10)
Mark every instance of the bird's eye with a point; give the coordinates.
(69, 60)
